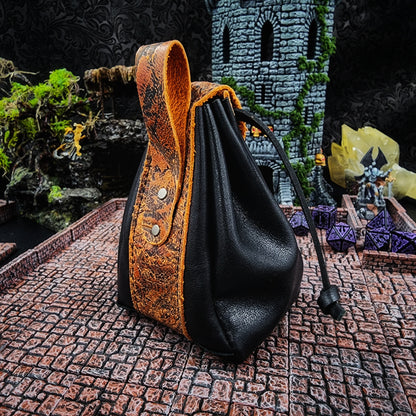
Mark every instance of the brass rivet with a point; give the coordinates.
(162, 194)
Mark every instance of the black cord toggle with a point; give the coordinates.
(328, 302)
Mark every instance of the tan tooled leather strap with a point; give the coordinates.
(157, 254)
(164, 87)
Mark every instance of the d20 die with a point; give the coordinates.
(403, 242)
(341, 236)
(324, 216)
(299, 223)
(377, 239)
(382, 220)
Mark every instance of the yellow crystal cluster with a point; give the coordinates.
(344, 163)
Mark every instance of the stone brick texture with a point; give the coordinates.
(276, 80)
(7, 210)
(67, 348)
(6, 249)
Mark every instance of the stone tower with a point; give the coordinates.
(272, 47)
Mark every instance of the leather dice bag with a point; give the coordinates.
(204, 248)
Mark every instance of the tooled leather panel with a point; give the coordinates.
(156, 277)
(156, 264)
(163, 84)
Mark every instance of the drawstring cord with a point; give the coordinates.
(329, 297)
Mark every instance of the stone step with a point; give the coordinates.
(6, 249)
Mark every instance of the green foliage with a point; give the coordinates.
(314, 70)
(4, 161)
(306, 65)
(58, 127)
(54, 193)
(33, 118)
(62, 80)
(302, 170)
(29, 126)
(328, 44)
(250, 99)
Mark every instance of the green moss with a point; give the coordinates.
(55, 193)
(20, 91)
(303, 169)
(52, 219)
(62, 80)
(306, 65)
(4, 160)
(28, 125)
(39, 114)
(250, 99)
(42, 91)
(58, 127)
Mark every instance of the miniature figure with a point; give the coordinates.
(70, 146)
(344, 163)
(370, 195)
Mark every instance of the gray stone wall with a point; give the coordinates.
(276, 81)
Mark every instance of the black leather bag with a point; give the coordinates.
(228, 267)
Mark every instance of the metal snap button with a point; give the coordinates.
(162, 194)
(155, 230)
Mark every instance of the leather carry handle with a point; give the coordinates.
(168, 102)
(329, 296)
(164, 89)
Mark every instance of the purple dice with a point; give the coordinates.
(377, 239)
(299, 224)
(341, 236)
(382, 220)
(403, 242)
(324, 216)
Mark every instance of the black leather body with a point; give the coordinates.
(123, 280)
(242, 264)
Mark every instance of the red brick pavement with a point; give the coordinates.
(66, 348)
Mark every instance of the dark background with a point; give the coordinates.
(373, 75)
(42, 35)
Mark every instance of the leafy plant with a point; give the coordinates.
(33, 119)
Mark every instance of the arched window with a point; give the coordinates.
(226, 45)
(267, 42)
(312, 38)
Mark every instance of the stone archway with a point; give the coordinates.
(270, 170)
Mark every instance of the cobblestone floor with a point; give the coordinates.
(66, 348)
